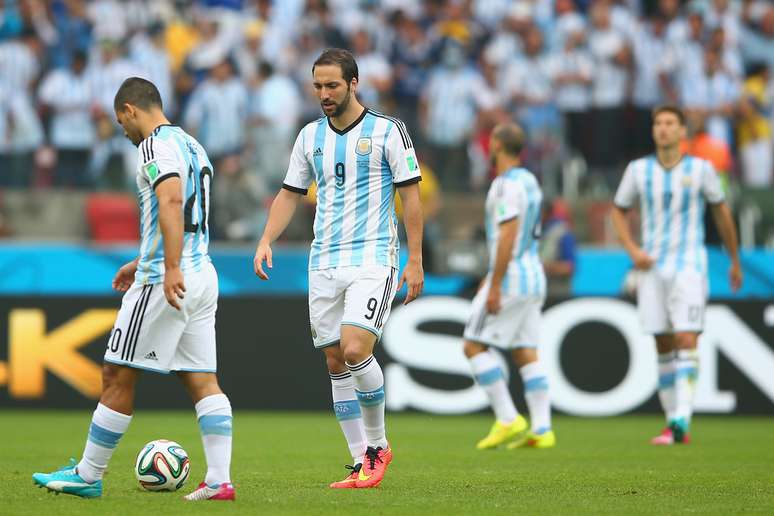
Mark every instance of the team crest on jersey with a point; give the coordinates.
(152, 170)
(363, 147)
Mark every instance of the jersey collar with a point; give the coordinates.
(350, 126)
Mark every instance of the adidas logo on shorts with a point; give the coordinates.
(151, 356)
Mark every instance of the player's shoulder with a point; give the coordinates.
(389, 118)
(394, 125)
(641, 163)
(156, 145)
(695, 161)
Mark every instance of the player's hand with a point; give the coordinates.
(263, 252)
(174, 287)
(642, 260)
(735, 276)
(125, 276)
(414, 278)
(493, 299)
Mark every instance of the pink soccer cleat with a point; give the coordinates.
(665, 438)
(224, 491)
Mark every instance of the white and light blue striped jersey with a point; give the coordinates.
(671, 209)
(517, 194)
(171, 152)
(356, 171)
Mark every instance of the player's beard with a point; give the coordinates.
(342, 107)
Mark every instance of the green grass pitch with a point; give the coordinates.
(284, 461)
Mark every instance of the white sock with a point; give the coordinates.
(215, 425)
(536, 394)
(369, 388)
(347, 410)
(686, 373)
(489, 376)
(107, 427)
(667, 365)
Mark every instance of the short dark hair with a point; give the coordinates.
(137, 92)
(341, 57)
(511, 135)
(669, 108)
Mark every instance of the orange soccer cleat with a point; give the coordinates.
(351, 481)
(375, 462)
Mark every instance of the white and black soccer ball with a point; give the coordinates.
(162, 466)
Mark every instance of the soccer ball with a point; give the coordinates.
(162, 466)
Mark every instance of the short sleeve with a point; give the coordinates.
(627, 190)
(299, 176)
(711, 188)
(401, 156)
(507, 196)
(159, 161)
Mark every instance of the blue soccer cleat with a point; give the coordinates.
(67, 480)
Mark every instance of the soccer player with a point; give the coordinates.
(358, 158)
(671, 188)
(505, 312)
(167, 317)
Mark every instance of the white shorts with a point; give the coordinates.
(150, 334)
(516, 325)
(356, 296)
(671, 304)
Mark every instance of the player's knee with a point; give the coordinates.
(686, 340)
(335, 364)
(117, 378)
(354, 353)
(524, 356)
(472, 348)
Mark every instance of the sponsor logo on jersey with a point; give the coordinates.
(363, 147)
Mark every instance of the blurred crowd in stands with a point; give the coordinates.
(580, 75)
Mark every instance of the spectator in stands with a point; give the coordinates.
(249, 54)
(452, 98)
(217, 112)
(73, 31)
(527, 85)
(572, 71)
(715, 93)
(148, 50)
(275, 109)
(411, 54)
(375, 73)
(558, 247)
(754, 130)
(114, 159)
(65, 95)
(730, 58)
(608, 95)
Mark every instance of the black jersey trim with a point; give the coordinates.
(509, 219)
(408, 182)
(295, 189)
(404, 135)
(163, 178)
(158, 128)
(350, 126)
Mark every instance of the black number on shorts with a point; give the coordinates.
(340, 175)
(537, 230)
(189, 226)
(115, 338)
(371, 308)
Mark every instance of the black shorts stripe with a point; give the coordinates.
(128, 332)
(139, 323)
(133, 325)
(384, 296)
(362, 365)
(385, 300)
(481, 321)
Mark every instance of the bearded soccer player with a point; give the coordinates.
(672, 288)
(358, 158)
(505, 312)
(167, 317)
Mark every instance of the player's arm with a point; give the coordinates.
(170, 198)
(713, 193)
(125, 275)
(624, 198)
(413, 273)
(296, 184)
(280, 214)
(507, 237)
(404, 166)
